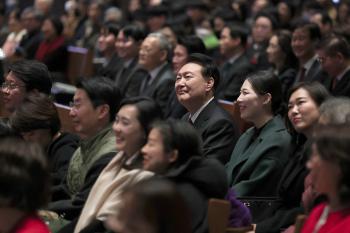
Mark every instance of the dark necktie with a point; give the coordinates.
(145, 84)
(302, 74)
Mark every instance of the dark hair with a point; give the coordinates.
(284, 39)
(316, 90)
(181, 136)
(57, 24)
(24, 177)
(209, 68)
(34, 74)
(269, 16)
(101, 90)
(334, 44)
(134, 31)
(111, 28)
(6, 129)
(333, 145)
(148, 110)
(160, 205)
(264, 82)
(37, 111)
(38, 15)
(325, 18)
(193, 44)
(312, 29)
(238, 31)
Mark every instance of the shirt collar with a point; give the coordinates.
(196, 114)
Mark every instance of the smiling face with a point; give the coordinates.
(85, 118)
(250, 103)
(126, 46)
(106, 41)
(325, 175)
(155, 158)
(302, 111)
(151, 55)
(302, 45)
(227, 43)
(129, 133)
(13, 92)
(192, 89)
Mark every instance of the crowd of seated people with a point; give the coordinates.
(151, 111)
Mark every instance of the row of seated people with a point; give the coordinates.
(260, 102)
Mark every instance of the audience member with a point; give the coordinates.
(156, 17)
(109, 63)
(24, 77)
(25, 186)
(324, 22)
(36, 120)
(328, 166)
(334, 56)
(32, 21)
(261, 153)
(303, 114)
(130, 76)
(195, 85)
(131, 126)
(184, 47)
(304, 40)
(153, 57)
(173, 150)
(95, 103)
(281, 56)
(153, 205)
(44, 6)
(53, 49)
(233, 42)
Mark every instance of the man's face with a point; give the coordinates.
(13, 92)
(151, 55)
(330, 64)
(262, 29)
(190, 85)
(127, 47)
(85, 118)
(29, 22)
(227, 43)
(301, 44)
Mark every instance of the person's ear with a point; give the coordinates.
(267, 98)
(103, 111)
(163, 55)
(173, 156)
(210, 84)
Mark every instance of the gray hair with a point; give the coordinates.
(163, 41)
(38, 15)
(113, 14)
(335, 110)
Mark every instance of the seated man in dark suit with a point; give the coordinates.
(334, 56)
(153, 57)
(236, 67)
(129, 77)
(304, 40)
(195, 85)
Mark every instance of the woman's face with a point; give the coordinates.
(249, 102)
(275, 54)
(155, 158)
(302, 111)
(129, 133)
(325, 175)
(180, 57)
(48, 30)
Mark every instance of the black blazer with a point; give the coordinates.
(218, 132)
(342, 87)
(316, 74)
(161, 86)
(232, 78)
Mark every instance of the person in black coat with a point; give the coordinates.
(195, 85)
(173, 150)
(334, 55)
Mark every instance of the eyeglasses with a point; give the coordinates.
(321, 59)
(10, 86)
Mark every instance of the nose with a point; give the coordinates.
(72, 112)
(239, 99)
(294, 110)
(116, 127)
(144, 150)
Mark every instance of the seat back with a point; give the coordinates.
(79, 63)
(218, 215)
(66, 121)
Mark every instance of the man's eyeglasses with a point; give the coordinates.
(10, 86)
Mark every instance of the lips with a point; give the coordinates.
(296, 120)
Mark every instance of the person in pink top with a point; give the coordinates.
(24, 186)
(329, 170)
